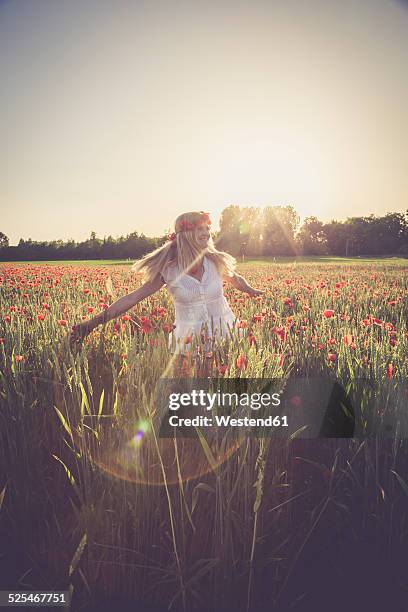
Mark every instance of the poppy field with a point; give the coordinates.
(93, 501)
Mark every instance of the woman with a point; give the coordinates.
(192, 269)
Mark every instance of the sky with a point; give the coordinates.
(116, 116)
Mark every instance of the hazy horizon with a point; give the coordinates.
(118, 116)
(215, 227)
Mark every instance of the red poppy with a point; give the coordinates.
(186, 366)
(41, 317)
(62, 322)
(222, 369)
(19, 358)
(279, 357)
(390, 370)
(281, 332)
(241, 362)
(159, 311)
(242, 323)
(328, 313)
(348, 339)
(146, 325)
(332, 357)
(167, 328)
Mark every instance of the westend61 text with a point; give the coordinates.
(255, 401)
(228, 421)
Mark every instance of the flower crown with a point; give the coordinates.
(190, 225)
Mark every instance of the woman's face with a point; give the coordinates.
(202, 235)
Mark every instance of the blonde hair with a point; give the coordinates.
(184, 250)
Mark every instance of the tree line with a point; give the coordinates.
(275, 230)
(244, 231)
(131, 246)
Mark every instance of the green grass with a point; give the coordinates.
(324, 259)
(262, 261)
(74, 262)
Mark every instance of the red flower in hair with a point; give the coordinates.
(171, 236)
(205, 216)
(190, 225)
(186, 225)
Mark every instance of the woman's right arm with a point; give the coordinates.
(118, 308)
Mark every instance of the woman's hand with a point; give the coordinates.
(241, 284)
(118, 308)
(253, 292)
(79, 332)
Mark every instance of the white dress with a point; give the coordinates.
(200, 306)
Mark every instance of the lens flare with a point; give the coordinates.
(125, 443)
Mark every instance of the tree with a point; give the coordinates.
(337, 238)
(4, 241)
(250, 231)
(388, 233)
(278, 230)
(312, 238)
(229, 238)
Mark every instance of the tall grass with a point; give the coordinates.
(182, 523)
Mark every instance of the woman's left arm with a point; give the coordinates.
(241, 284)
